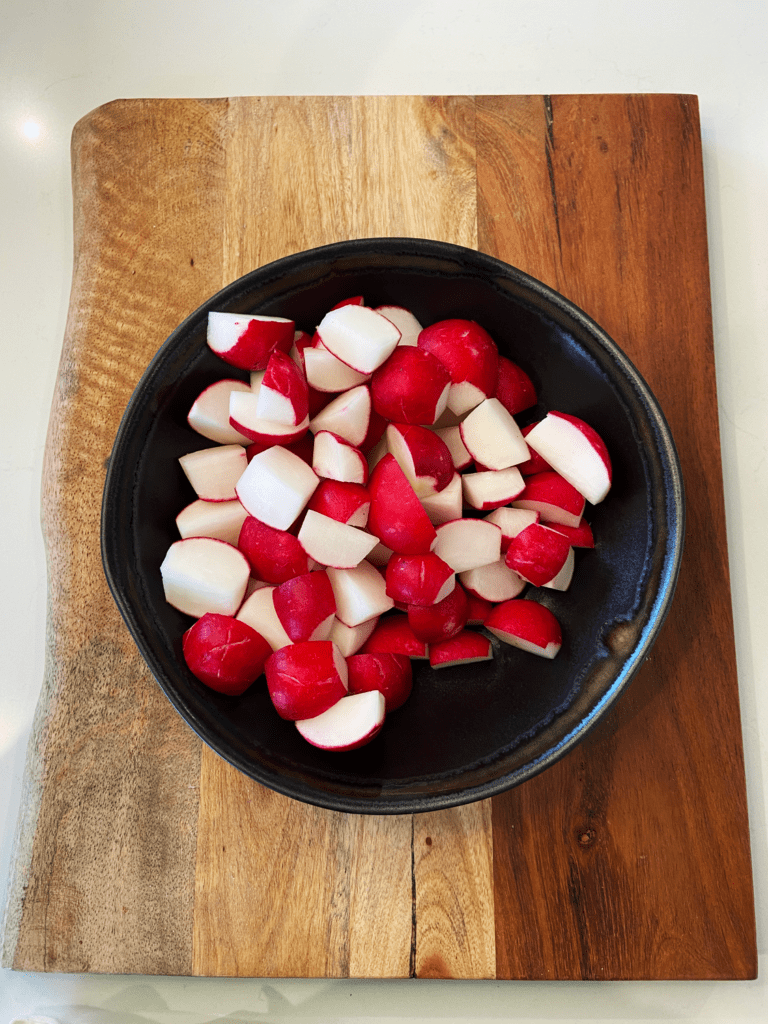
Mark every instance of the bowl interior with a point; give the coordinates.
(466, 732)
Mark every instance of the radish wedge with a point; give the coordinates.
(351, 723)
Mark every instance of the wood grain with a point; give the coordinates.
(140, 852)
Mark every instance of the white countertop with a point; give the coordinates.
(59, 60)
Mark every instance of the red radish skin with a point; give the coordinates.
(511, 521)
(514, 388)
(576, 451)
(346, 502)
(306, 679)
(411, 387)
(419, 579)
(390, 674)
(438, 622)
(469, 354)
(244, 416)
(466, 648)
(273, 555)
(422, 455)
(479, 609)
(247, 341)
(535, 463)
(538, 554)
(351, 723)
(580, 536)
(528, 625)
(556, 500)
(394, 635)
(306, 606)
(445, 505)
(303, 447)
(284, 394)
(224, 653)
(397, 517)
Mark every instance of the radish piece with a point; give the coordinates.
(390, 674)
(225, 653)
(209, 414)
(437, 622)
(306, 679)
(514, 388)
(492, 437)
(535, 463)
(511, 521)
(538, 554)
(579, 536)
(274, 555)
(345, 502)
(358, 336)
(351, 723)
(327, 373)
(247, 340)
(244, 416)
(404, 321)
(492, 488)
(479, 609)
(258, 611)
(355, 300)
(303, 447)
(221, 520)
(493, 582)
(393, 635)
(576, 451)
(423, 457)
(214, 472)
(553, 498)
(527, 625)
(411, 387)
(283, 395)
(464, 649)
(419, 579)
(376, 427)
(276, 486)
(349, 639)
(468, 543)
(333, 543)
(563, 579)
(202, 575)
(337, 459)
(306, 607)
(360, 593)
(396, 516)
(469, 354)
(446, 504)
(347, 416)
(452, 438)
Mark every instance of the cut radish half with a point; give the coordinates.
(419, 579)
(247, 340)
(527, 625)
(349, 639)
(276, 486)
(221, 520)
(360, 593)
(511, 521)
(351, 723)
(575, 451)
(204, 575)
(556, 500)
(258, 610)
(493, 582)
(404, 321)
(244, 416)
(333, 543)
(214, 472)
(538, 554)
(225, 653)
(396, 516)
(274, 555)
(394, 635)
(492, 437)
(347, 416)
(579, 536)
(514, 388)
(452, 438)
(437, 622)
(446, 504)
(347, 503)
(306, 607)
(209, 414)
(468, 543)
(358, 336)
(469, 354)
(337, 459)
(422, 455)
(411, 387)
(492, 488)
(283, 396)
(327, 373)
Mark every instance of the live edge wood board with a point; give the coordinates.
(141, 851)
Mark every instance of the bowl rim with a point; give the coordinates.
(388, 801)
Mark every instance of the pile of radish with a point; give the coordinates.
(371, 499)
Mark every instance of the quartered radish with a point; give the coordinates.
(333, 543)
(390, 674)
(306, 679)
(351, 723)
(202, 575)
(221, 520)
(258, 610)
(358, 336)
(214, 472)
(276, 486)
(466, 648)
(209, 415)
(576, 451)
(225, 653)
(527, 625)
(246, 340)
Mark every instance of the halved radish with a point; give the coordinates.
(258, 610)
(337, 459)
(347, 416)
(283, 395)
(527, 625)
(306, 607)
(327, 373)
(202, 575)
(333, 543)
(493, 582)
(214, 472)
(556, 500)
(437, 622)
(224, 653)
(221, 520)
(538, 554)
(404, 321)
(358, 336)
(492, 437)
(276, 486)
(209, 414)
(244, 416)
(576, 451)
(274, 555)
(306, 679)
(394, 635)
(411, 387)
(563, 579)
(419, 579)
(466, 648)
(390, 674)
(469, 354)
(247, 340)
(467, 543)
(346, 502)
(511, 521)
(351, 723)
(491, 488)
(396, 516)
(349, 639)
(422, 455)
(514, 388)
(360, 593)
(445, 505)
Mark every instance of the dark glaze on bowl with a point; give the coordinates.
(467, 732)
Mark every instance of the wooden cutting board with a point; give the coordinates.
(141, 851)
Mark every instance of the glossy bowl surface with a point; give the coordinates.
(468, 732)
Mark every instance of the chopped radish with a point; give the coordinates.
(423, 457)
(576, 451)
(446, 504)
(306, 607)
(247, 340)
(538, 554)
(396, 516)
(514, 388)
(351, 723)
(221, 520)
(283, 396)
(347, 416)
(492, 437)
(303, 447)
(358, 336)
(479, 609)
(349, 639)
(467, 543)
(465, 648)
(354, 300)
(360, 593)
(244, 416)
(306, 679)
(511, 521)
(258, 610)
(394, 635)
(214, 472)
(452, 438)
(527, 625)
(492, 488)
(563, 579)
(579, 536)
(209, 414)
(333, 543)
(441, 621)
(419, 579)
(404, 321)
(346, 502)
(225, 653)
(276, 486)
(274, 555)
(535, 463)
(553, 498)
(327, 373)
(337, 459)
(411, 387)
(493, 582)
(469, 354)
(202, 575)
(390, 674)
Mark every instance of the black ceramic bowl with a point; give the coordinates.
(466, 732)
